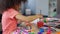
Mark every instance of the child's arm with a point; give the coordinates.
(25, 18)
(21, 17)
(31, 18)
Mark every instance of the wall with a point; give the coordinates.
(43, 6)
(37, 5)
(58, 6)
(32, 5)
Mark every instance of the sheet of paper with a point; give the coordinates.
(35, 21)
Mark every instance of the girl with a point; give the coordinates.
(11, 15)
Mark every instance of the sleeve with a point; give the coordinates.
(13, 13)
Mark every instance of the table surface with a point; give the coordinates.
(36, 30)
(34, 26)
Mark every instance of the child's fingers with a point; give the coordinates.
(39, 16)
(28, 24)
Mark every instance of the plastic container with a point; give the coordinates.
(40, 24)
(48, 31)
(41, 30)
(40, 33)
(31, 33)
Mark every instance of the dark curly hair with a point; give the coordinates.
(11, 3)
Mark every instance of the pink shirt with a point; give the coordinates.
(9, 22)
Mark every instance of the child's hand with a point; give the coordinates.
(39, 16)
(28, 24)
(31, 18)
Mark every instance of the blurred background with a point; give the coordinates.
(48, 8)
